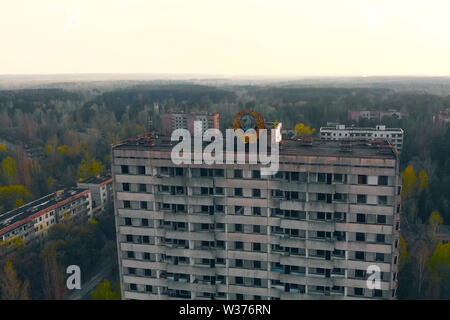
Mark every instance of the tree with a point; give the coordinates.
(9, 168)
(404, 255)
(423, 179)
(89, 168)
(440, 271)
(435, 221)
(53, 272)
(11, 287)
(421, 261)
(302, 130)
(409, 180)
(104, 292)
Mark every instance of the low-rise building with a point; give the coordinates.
(340, 131)
(33, 219)
(357, 115)
(101, 191)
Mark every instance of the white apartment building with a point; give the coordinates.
(340, 131)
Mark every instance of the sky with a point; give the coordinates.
(226, 37)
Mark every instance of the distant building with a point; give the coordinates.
(442, 118)
(340, 131)
(357, 115)
(443, 234)
(101, 191)
(173, 121)
(35, 218)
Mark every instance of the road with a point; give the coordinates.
(91, 284)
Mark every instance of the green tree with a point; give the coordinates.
(435, 221)
(11, 287)
(302, 130)
(409, 180)
(104, 292)
(9, 169)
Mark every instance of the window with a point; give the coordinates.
(148, 288)
(128, 221)
(256, 229)
(358, 291)
(125, 186)
(256, 174)
(320, 215)
(133, 287)
(362, 179)
(238, 173)
(321, 197)
(238, 192)
(144, 205)
(382, 200)
(141, 170)
(382, 180)
(256, 211)
(361, 218)
(239, 280)
(238, 245)
(239, 263)
(126, 204)
(145, 239)
(179, 172)
(238, 227)
(257, 264)
(257, 282)
(256, 246)
(360, 236)
(338, 177)
(361, 198)
(379, 257)
(359, 255)
(360, 273)
(129, 238)
(142, 187)
(381, 219)
(256, 193)
(381, 238)
(378, 293)
(124, 169)
(130, 254)
(321, 177)
(239, 210)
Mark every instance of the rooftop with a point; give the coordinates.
(362, 129)
(96, 180)
(324, 148)
(11, 217)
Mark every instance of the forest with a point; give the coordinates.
(51, 138)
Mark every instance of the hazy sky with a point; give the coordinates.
(229, 37)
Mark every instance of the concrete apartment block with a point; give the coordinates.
(226, 232)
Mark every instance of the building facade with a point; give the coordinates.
(33, 220)
(339, 132)
(225, 232)
(101, 192)
(357, 115)
(195, 123)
